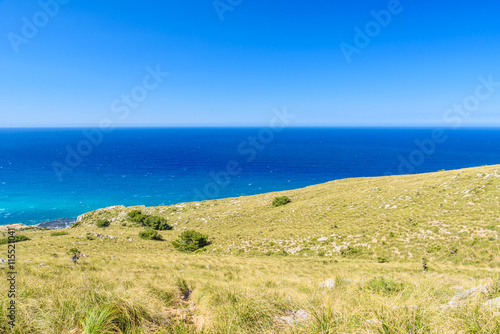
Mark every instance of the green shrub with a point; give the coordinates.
(17, 238)
(279, 201)
(150, 234)
(137, 216)
(190, 241)
(153, 222)
(58, 233)
(157, 223)
(351, 251)
(381, 284)
(103, 223)
(381, 259)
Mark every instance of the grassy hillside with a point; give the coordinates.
(397, 217)
(265, 263)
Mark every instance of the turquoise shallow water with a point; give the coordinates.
(53, 173)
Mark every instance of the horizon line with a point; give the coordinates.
(256, 126)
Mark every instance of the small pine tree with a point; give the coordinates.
(102, 223)
(190, 241)
(279, 201)
(136, 216)
(157, 223)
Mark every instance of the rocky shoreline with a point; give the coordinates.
(58, 223)
(51, 225)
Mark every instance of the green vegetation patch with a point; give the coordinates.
(58, 233)
(150, 234)
(103, 223)
(17, 238)
(153, 222)
(381, 284)
(282, 200)
(190, 241)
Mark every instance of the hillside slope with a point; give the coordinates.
(265, 270)
(449, 215)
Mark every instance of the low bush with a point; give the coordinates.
(17, 238)
(153, 222)
(381, 284)
(58, 233)
(103, 223)
(190, 241)
(135, 216)
(150, 234)
(279, 201)
(157, 223)
(351, 251)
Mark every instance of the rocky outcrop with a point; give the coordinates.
(493, 303)
(460, 298)
(329, 284)
(109, 208)
(294, 317)
(99, 235)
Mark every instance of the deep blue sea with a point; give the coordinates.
(46, 174)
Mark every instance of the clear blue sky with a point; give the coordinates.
(263, 55)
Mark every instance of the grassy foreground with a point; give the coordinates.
(265, 263)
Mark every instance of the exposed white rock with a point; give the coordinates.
(459, 299)
(329, 284)
(294, 317)
(495, 302)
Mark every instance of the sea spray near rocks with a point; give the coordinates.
(58, 223)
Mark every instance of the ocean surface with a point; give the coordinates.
(46, 174)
